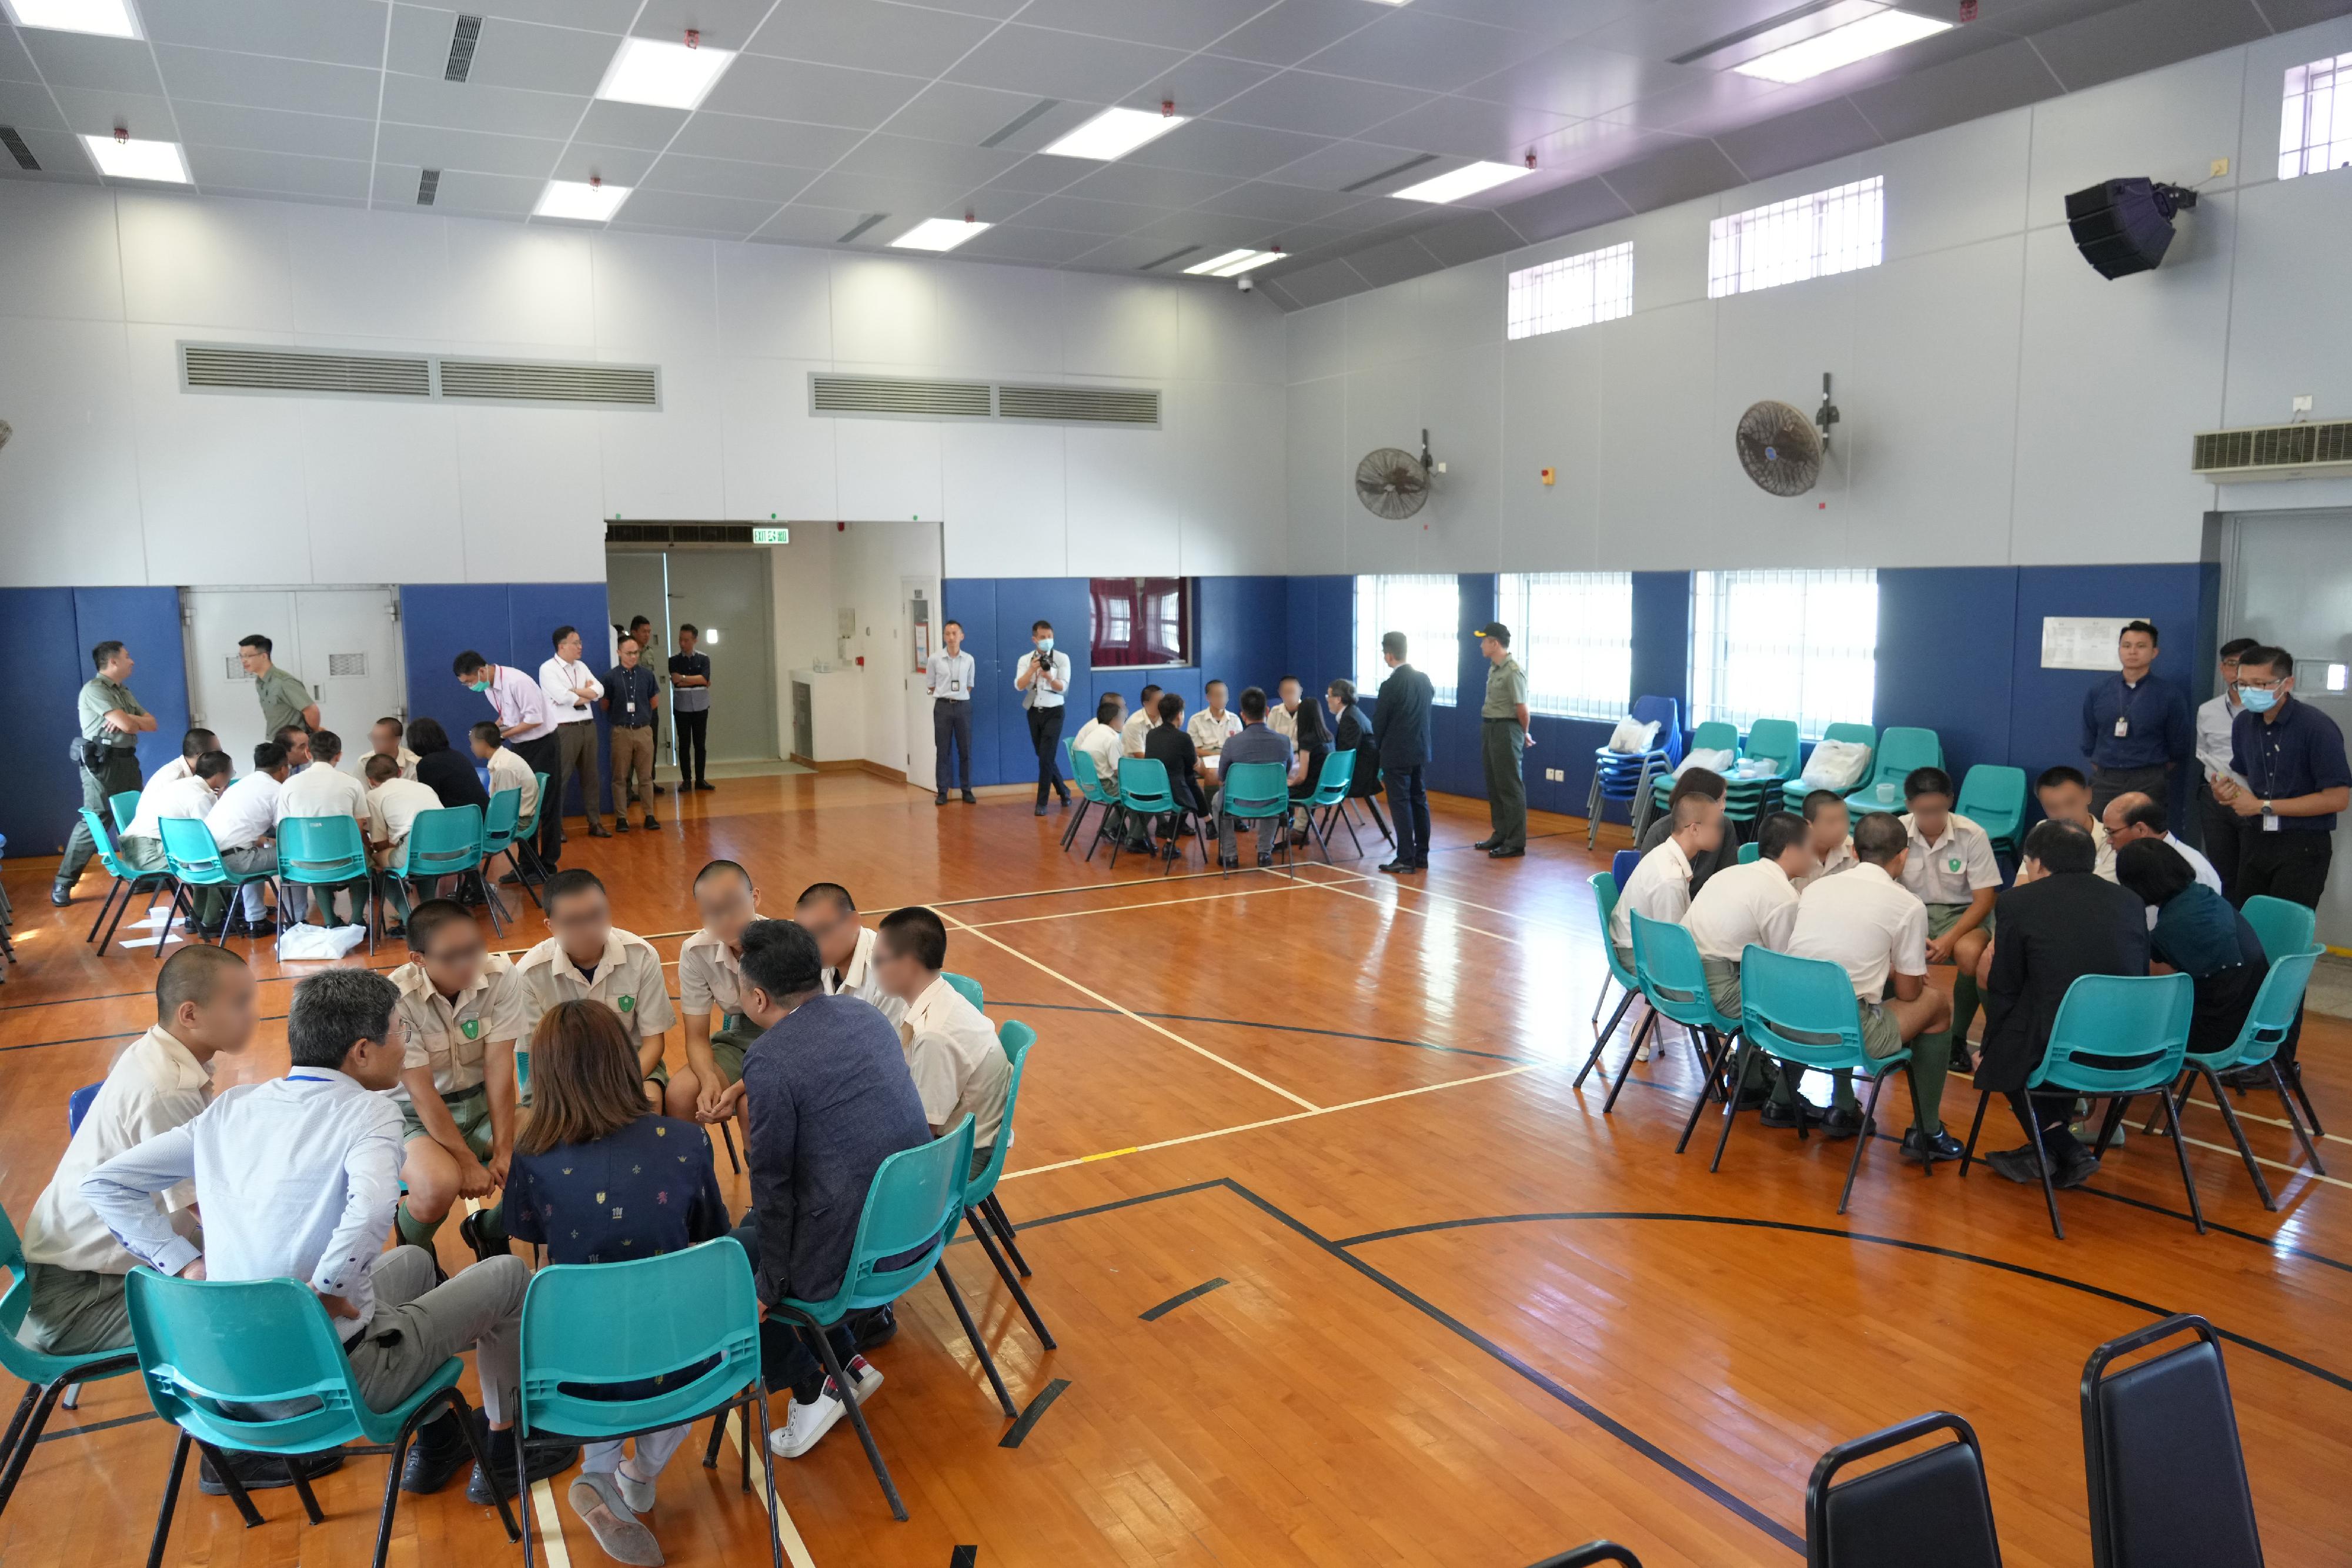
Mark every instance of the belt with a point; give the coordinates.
(565, 723)
(941, 699)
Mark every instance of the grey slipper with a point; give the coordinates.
(597, 1501)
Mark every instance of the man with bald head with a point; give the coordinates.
(2132, 817)
(203, 1007)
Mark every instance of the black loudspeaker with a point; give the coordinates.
(2125, 226)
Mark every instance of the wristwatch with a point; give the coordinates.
(2269, 811)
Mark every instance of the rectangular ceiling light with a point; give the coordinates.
(1233, 264)
(668, 76)
(578, 199)
(106, 18)
(135, 159)
(940, 233)
(1857, 40)
(1468, 181)
(1115, 133)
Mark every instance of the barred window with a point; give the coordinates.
(1428, 611)
(1574, 291)
(2316, 121)
(1573, 634)
(1784, 644)
(1805, 236)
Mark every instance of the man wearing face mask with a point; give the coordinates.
(2218, 828)
(525, 725)
(1043, 678)
(2291, 757)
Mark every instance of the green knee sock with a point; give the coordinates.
(1931, 1064)
(1964, 1006)
(414, 1232)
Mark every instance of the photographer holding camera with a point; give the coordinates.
(105, 753)
(1043, 677)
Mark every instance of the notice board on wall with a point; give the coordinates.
(2082, 642)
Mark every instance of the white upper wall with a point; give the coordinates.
(116, 476)
(2002, 403)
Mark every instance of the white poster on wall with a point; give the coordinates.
(2082, 642)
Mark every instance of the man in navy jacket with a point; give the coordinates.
(1400, 729)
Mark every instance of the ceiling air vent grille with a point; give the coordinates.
(1080, 405)
(2276, 451)
(895, 396)
(215, 367)
(515, 380)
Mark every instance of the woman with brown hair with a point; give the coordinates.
(599, 1176)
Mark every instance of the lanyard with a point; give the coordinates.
(306, 1078)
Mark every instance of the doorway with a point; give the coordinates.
(2286, 579)
(725, 595)
(344, 643)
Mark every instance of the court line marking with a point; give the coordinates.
(1278, 1121)
(1028, 1419)
(1123, 908)
(1153, 1314)
(796, 1551)
(551, 1525)
(1402, 886)
(1011, 1006)
(1155, 1028)
(2231, 1150)
(1403, 908)
(2245, 1116)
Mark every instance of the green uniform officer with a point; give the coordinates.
(285, 700)
(105, 754)
(1503, 735)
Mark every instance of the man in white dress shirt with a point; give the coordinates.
(387, 738)
(2132, 817)
(298, 1178)
(1215, 724)
(524, 724)
(194, 744)
(952, 1051)
(1141, 723)
(827, 912)
(2220, 828)
(1659, 888)
(1098, 739)
(1755, 902)
(1042, 680)
(143, 841)
(324, 790)
(1283, 717)
(949, 677)
(243, 821)
(572, 691)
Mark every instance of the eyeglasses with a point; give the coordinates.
(2266, 684)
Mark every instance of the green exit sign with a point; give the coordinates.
(772, 535)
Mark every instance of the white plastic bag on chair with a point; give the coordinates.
(304, 941)
(1836, 764)
(1631, 737)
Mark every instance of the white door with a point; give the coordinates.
(344, 643)
(918, 615)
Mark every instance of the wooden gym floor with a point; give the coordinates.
(1342, 1270)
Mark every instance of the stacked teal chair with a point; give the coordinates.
(1259, 792)
(127, 883)
(913, 1206)
(1801, 1013)
(2256, 1048)
(966, 986)
(1143, 789)
(208, 1347)
(446, 842)
(1604, 900)
(46, 1377)
(1793, 793)
(1627, 775)
(1770, 740)
(2287, 928)
(1715, 734)
(325, 853)
(2115, 1037)
(1673, 979)
(691, 1319)
(1091, 792)
(1330, 798)
(1900, 750)
(194, 862)
(980, 1210)
(1993, 798)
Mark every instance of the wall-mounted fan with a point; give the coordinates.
(1393, 483)
(1781, 448)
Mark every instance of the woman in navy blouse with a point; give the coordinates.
(598, 1177)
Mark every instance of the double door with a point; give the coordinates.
(344, 643)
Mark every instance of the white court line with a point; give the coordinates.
(2275, 1164)
(796, 1551)
(2246, 1116)
(551, 1525)
(1154, 1028)
(1123, 908)
(1403, 908)
(1277, 1121)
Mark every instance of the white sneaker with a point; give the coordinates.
(865, 1378)
(804, 1423)
(1642, 1053)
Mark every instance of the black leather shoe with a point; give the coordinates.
(970, 799)
(1486, 843)
(2075, 1170)
(652, 821)
(261, 1472)
(1929, 1150)
(1041, 808)
(437, 1454)
(2017, 1165)
(620, 824)
(1400, 867)
(60, 894)
(1504, 854)
(874, 1329)
(1776, 1115)
(705, 785)
(940, 798)
(600, 831)
(486, 1247)
(1843, 1123)
(542, 1461)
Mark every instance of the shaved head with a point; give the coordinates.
(192, 975)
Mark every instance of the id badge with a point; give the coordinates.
(2123, 726)
(633, 705)
(2271, 822)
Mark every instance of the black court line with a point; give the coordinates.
(1279, 1028)
(78, 1039)
(97, 1427)
(1035, 1413)
(1174, 1301)
(1897, 1242)
(964, 1557)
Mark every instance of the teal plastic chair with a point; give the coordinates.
(194, 862)
(1748, 852)
(1330, 798)
(966, 986)
(1673, 977)
(124, 808)
(980, 1210)
(208, 1347)
(912, 1207)
(587, 1324)
(498, 825)
(522, 845)
(2256, 1048)
(46, 1377)
(1258, 792)
(327, 853)
(1993, 798)
(2285, 928)
(1793, 793)
(127, 883)
(1604, 898)
(1144, 789)
(1715, 734)
(446, 842)
(1900, 750)
(2115, 1037)
(1092, 791)
(1801, 1013)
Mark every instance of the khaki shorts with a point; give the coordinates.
(1942, 918)
(469, 1108)
(1723, 986)
(729, 1044)
(1881, 1037)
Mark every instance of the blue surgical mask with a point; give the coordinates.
(1045, 644)
(2258, 699)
